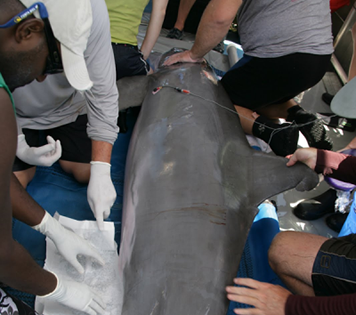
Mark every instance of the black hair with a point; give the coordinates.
(10, 8)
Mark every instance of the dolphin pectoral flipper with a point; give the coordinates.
(132, 90)
(278, 177)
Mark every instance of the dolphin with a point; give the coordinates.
(192, 188)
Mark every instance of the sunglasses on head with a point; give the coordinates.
(54, 62)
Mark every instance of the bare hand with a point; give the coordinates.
(307, 156)
(268, 299)
(184, 56)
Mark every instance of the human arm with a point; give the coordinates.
(213, 26)
(17, 268)
(102, 111)
(268, 299)
(101, 191)
(333, 164)
(326, 305)
(28, 211)
(154, 26)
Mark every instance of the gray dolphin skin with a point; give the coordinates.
(192, 188)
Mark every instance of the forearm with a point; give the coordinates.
(336, 165)
(335, 305)
(214, 25)
(154, 26)
(101, 151)
(19, 271)
(24, 207)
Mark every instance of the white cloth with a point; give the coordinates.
(106, 280)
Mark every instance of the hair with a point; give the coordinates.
(10, 8)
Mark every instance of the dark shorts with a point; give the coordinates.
(129, 61)
(256, 82)
(334, 270)
(76, 145)
(12, 305)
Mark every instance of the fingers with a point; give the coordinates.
(45, 149)
(98, 304)
(171, 60)
(248, 282)
(106, 213)
(75, 263)
(292, 160)
(100, 220)
(89, 251)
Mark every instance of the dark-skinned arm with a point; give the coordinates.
(17, 268)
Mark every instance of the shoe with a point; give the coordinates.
(339, 122)
(220, 47)
(175, 33)
(311, 127)
(282, 138)
(316, 207)
(327, 98)
(336, 221)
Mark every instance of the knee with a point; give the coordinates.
(80, 171)
(278, 250)
(24, 177)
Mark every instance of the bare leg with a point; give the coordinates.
(80, 171)
(24, 177)
(247, 118)
(291, 256)
(183, 11)
(352, 69)
(276, 111)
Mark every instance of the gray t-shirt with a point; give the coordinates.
(54, 102)
(274, 28)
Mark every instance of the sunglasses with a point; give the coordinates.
(54, 62)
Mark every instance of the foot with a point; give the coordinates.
(284, 139)
(220, 47)
(175, 33)
(327, 98)
(316, 207)
(336, 221)
(311, 127)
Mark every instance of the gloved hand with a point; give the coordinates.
(101, 191)
(75, 295)
(69, 244)
(43, 156)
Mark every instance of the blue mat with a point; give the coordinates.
(57, 191)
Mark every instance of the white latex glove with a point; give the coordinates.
(75, 295)
(69, 244)
(101, 191)
(43, 156)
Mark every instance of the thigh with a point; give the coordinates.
(129, 61)
(257, 82)
(76, 145)
(293, 254)
(334, 270)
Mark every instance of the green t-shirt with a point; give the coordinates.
(125, 18)
(4, 86)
